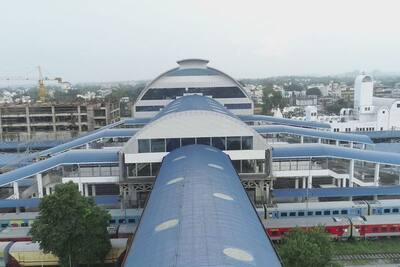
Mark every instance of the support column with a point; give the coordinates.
(304, 182)
(301, 139)
(309, 182)
(376, 174)
(39, 181)
(337, 142)
(296, 183)
(93, 190)
(351, 173)
(319, 141)
(80, 187)
(86, 190)
(47, 190)
(344, 182)
(16, 190)
(351, 144)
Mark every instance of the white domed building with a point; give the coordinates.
(192, 77)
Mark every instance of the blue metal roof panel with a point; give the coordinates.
(193, 103)
(313, 133)
(106, 133)
(337, 192)
(320, 150)
(198, 213)
(284, 121)
(381, 134)
(70, 157)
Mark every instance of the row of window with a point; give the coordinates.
(173, 93)
(152, 169)
(169, 144)
(158, 107)
(312, 213)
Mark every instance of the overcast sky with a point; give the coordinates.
(111, 40)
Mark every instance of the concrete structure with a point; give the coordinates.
(53, 121)
(193, 76)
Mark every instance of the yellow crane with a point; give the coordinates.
(42, 91)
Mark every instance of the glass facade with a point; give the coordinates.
(142, 169)
(215, 92)
(169, 144)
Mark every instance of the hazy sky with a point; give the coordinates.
(109, 40)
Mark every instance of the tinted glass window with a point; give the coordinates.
(163, 93)
(131, 169)
(143, 169)
(327, 212)
(131, 220)
(233, 143)
(148, 108)
(283, 214)
(121, 220)
(238, 106)
(144, 146)
(343, 212)
(236, 165)
(157, 145)
(155, 168)
(395, 210)
(310, 213)
(188, 141)
(335, 212)
(112, 221)
(318, 213)
(204, 141)
(172, 93)
(248, 166)
(173, 143)
(218, 142)
(292, 214)
(247, 142)
(301, 213)
(386, 211)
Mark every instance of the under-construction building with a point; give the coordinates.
(49, 121)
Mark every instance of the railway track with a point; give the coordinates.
(367, 256)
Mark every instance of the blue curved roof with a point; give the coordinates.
(313, 133)
(284, 121)
(105, 133)
(192, 72)
(197, 213)
(70, 157)
(193, 103)
(338, 192)
(381, 134)
(320, 150)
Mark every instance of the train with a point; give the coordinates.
(329, 209)
(25, 219)
(27, 253)
(341, 228)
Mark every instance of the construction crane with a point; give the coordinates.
(42, 91)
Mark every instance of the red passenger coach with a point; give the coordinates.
(375, 226)
(338, 228)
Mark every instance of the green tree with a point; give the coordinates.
(72, 227)
(338, 105)
(306, 248)
(272, 99)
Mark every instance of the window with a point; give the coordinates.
(155, 168)
(386, 211)
(112, 221)
(238, 106)
(335, 212)
(395, 210)
(121, 220)
(236, 164)
(317, 213)
(283, 214)
(233, 143)
(144, 146)
(143, 169)
(301, 213)
(173, 143)
(327, 212)
(188, 141)
(218, 142)
(131, 220)
(310, 213)
(148, 108)
(203, 141)
(172, 93)
(248, 166)
(247, 142)
(292, 214)
(157, 145)
(398, 105)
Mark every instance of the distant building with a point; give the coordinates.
(24, 122)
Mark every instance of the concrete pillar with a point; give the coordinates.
(271, 185)
(376, 174)
(28, 122)
(309, 181)
(16, 190)
(319, 140)
(80, 187)
(337, 142)
(364, 146)
(39, 181)
(301, 139)
(47, 190)
(93, 190)
(86, 190)
(304, 182)
(351, 144)
(344, 182)
(351, 173)
(296, 183)
(53, 115)
(258, 194)
(87, 146)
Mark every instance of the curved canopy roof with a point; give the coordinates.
(320, 150)
(198, 214)
(359, 138)
(284, 121)
(70, 157)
